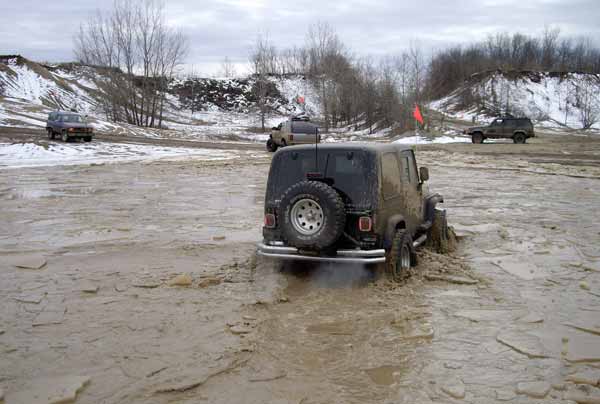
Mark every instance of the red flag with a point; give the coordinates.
(417, 114)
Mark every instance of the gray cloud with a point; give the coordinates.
(43, 30)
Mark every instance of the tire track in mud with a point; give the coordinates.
(347, 334)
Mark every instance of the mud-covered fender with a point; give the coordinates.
(394, 222)
(430, 203)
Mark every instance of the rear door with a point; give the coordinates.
(303, 132)
(412, 199)
(391, 198)
(509, 127)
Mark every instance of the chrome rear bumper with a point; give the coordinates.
(342, 256)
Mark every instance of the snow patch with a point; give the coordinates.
(35, 155)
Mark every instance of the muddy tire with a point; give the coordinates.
(519, 138)
(50, 134)
(400, 257)
(65, 137)
(441, 237)
(477, 138)
(313, 215)
(271, 146)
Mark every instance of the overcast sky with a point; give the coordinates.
(43, 30)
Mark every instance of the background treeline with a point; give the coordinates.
(370, 94)
(549, 52)
(353, 91)
(143, 54)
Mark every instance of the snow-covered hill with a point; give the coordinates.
(550, 99)
(202, 109)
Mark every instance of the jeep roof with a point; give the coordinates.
(371, 146)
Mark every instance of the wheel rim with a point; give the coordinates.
(307, 217)
(404, 258)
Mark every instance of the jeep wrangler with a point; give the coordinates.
(517, 129)
(297, 130)
(349, 203)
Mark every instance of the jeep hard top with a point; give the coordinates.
(68, 125)
(349, 202)
(517, 129)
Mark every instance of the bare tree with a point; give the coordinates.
(141, 53)
(326, 60)
(587, 101)
(262, 62)
(227, 68)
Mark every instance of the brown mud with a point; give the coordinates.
(96, 300)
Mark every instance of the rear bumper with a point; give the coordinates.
(342, 256)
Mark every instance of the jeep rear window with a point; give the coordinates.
(352, 171)
(304, 127)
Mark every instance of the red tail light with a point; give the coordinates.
(269, 220)
(291, 138)
(365, 223)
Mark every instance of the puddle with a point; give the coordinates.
(384, 375)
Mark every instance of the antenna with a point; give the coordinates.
(316, 149)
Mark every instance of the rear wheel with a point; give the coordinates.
(519, 138)
(65, 137)
(477, 137)
(88, 139)
(399, 258)
(283, 143)
(50, 133)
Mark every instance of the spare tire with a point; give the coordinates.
(313, 215)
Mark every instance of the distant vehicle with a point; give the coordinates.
(517, 129)
(350, 203)
(297, 130)
(69, 126)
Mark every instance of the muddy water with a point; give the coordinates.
(534, 317)
(86, 257)
(302, 335)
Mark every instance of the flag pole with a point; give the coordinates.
(416, 126)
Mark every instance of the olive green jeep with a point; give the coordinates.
(350, 203)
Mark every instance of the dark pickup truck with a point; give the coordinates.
(68, 125)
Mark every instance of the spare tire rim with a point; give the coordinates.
(307, 217)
